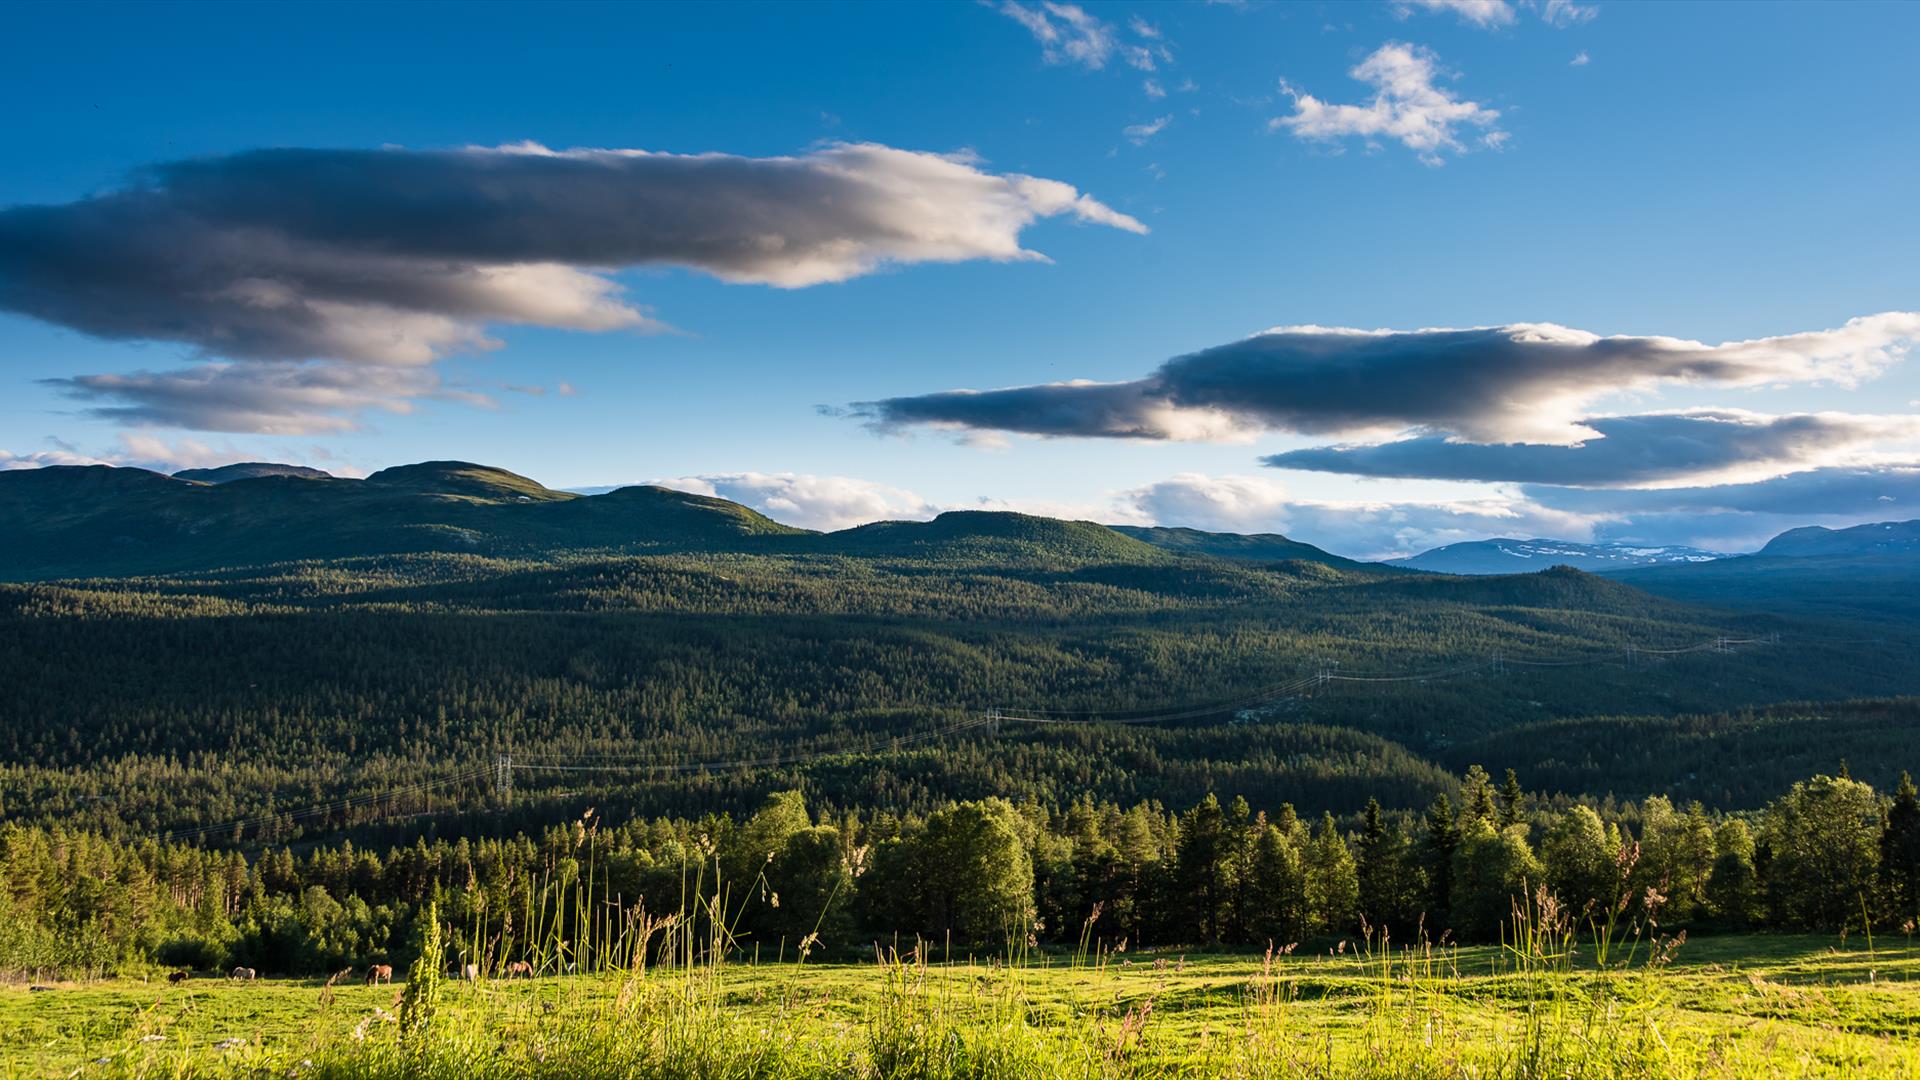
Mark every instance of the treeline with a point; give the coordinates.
(1828, 854)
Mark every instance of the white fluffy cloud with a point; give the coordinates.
(144, 451)
(810, 502)
(1363, 529)
(1735, 517)
(373, 264)
(1521, 383)
(1407, 107)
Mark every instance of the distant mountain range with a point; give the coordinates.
(101, 521)
(1510, 556)
(1884, 538)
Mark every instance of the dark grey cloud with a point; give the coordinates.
(1517, 383)
(395, 258)
(1645, 449)
(1741, 517)
(268, 398)
(1860, 492)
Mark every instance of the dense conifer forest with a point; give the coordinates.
(982, 727)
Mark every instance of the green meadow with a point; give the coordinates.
(1737, 1005)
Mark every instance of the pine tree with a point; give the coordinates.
(1202, 860)
(1382, 870)
(1512, 800)
(1900, 852)
(1479, 798)
(1443, 837)
(1333, 882)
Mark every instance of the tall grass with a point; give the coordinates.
(620, 993)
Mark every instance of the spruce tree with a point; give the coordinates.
(1381, 870)
(1512, 800)
(1900, 852)
(1443, 836)
(1479, 798)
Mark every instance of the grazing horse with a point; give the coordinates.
(179, 976)
(519, 969)
(470, 972)
(379, 973)
(243, 974)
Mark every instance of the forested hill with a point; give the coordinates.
(221, 650)
(1254, 547)
(694, 681)
(100, 521)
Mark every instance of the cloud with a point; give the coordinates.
(1130, 410)
(268, 398)
(1725, 518)
(1069, 34)
(387, 260)
(1718, 445)
(1566, 12)
(1140, 134)
(1525, 382)
(810, 502)
(1406, 107)
(1891, 489)
(1364, 529)
(1739, 517)
(1580, 59)
(1222, 503)
(39, 459)
(1496, 14)
(1486, 14)
(1153, 89)
(143, 451)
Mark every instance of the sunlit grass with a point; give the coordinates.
(1735, 1006)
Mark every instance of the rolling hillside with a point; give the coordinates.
(1255, 547)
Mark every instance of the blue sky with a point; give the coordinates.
(1711, 173)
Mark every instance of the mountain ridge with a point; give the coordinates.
(1508, 555)
(250, 470)
(1876, 538)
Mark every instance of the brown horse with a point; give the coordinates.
(379, 973)
(179, 976)
(519, 969)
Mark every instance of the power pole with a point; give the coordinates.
(503, 776)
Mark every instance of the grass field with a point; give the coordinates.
(1720, 1006)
